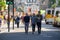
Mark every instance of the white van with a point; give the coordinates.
(49, 15)
(56, 21)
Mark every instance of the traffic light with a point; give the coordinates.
(9, 1)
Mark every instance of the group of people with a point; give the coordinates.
(35, 20)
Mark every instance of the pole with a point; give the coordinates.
(39, 5)
(13, 14)
(8, 18)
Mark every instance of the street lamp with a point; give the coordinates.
(9, 2)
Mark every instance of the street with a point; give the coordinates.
(14, 12)
(48, 33)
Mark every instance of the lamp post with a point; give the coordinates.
(13, 14)
(9, 2)
(8, 18)
(39, 5)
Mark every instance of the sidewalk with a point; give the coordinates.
(45, 27)
(23, 30)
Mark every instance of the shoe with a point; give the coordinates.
(26, 32)
(39, 33)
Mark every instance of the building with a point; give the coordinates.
(38, 4)
(44, 4)
(32, 6)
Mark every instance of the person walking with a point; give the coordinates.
(39, 19)
(26, 22)
(0, 22)
(17, 20)
(33, 22)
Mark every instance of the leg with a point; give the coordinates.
(0, 27)
(18, 25)
(39, 28)
(26, 27)
(33, 28)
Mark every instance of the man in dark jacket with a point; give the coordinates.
(26, 22)
(33, 22)
(39, 19)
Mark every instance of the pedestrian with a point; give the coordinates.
(17, 20)
(26, 22)
(0, 22)
(8, 21)
(39, 19)
(33, 22)
(4, 18)
(22, 19)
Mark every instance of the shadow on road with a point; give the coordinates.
(22, 36)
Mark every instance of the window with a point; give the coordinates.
(49, 11)
(57, 13)
(52, 12)
(43, 1)
(34, 1)
(28, 1)
(31, 1)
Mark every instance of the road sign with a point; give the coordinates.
(9, 1)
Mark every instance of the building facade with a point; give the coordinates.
(32, 6)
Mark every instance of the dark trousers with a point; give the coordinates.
(33, 27)
(26, 27)
(39, 27)
(18, 25)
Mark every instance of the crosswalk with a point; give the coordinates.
(44, 27)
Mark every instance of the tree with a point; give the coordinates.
(54, 5)
(58, 2)
(52, 2)
(2, 5)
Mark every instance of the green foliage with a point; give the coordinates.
(53, 1)
(59, 2)
(19, 10)
(2, 4)
(54, 5)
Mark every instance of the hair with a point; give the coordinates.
(39, 12)
(26, 13)
(33, 13)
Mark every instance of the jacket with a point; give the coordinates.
(26, 19)
(39, 18)
(33, 19)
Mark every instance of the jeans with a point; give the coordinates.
(26, 27)
(39, 27)
(33, 27)
(18, 25)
